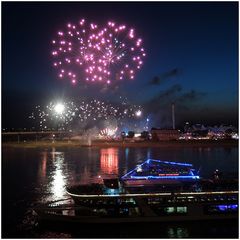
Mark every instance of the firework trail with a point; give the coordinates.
(87, 53)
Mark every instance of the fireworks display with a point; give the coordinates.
(69, 114)
(108, 132)
(89, 53)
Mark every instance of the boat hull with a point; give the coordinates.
(54, 218)
(143, 208)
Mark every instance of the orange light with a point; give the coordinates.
(109, 160)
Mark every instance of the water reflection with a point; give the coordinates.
(59, 180)
(126, 153)
(109, 160)
(52, 175)
(85, 176)
(43, 166)
(177, 232)
(58, 169)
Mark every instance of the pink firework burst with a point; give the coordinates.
(86, 52)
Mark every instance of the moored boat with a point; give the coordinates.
(114, 201)
(133, 208)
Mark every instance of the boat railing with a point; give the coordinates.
(141, 195)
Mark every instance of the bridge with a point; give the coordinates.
(37, 135)
(36, 132)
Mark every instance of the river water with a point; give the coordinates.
(33, 175)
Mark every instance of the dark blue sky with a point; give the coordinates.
(192, 51)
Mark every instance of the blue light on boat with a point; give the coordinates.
(224, 208)
(173, 163)
(165, 177)
(190, 175)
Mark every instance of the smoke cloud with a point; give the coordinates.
(158, 80)
(160, 105)
(191, 96)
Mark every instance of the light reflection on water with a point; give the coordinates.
(177, 232)
(109, 160)
(43, 165)
(57, 169)
(53, 175)
(56, 175)
(59, 180)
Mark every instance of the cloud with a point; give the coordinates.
(191, 96)
(160, 105)
(157, 80)
(163, 97)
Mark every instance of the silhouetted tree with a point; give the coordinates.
(145, 135)
(131, 134)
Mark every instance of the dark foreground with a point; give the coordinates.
(207, 229)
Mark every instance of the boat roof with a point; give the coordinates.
(158, 169)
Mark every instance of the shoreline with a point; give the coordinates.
(107, 144)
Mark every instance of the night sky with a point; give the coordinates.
(192, 59)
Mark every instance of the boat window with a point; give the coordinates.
(124, 211)
(154, 200)
(134, 211)
(127, 200)
(111, 212)
(100, 211)
(181, 209)
(169, 209)
(178, 210)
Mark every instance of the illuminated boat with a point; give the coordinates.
(114, 201)
(152, 172)
(141, 208)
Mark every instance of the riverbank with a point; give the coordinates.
(106, 144)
